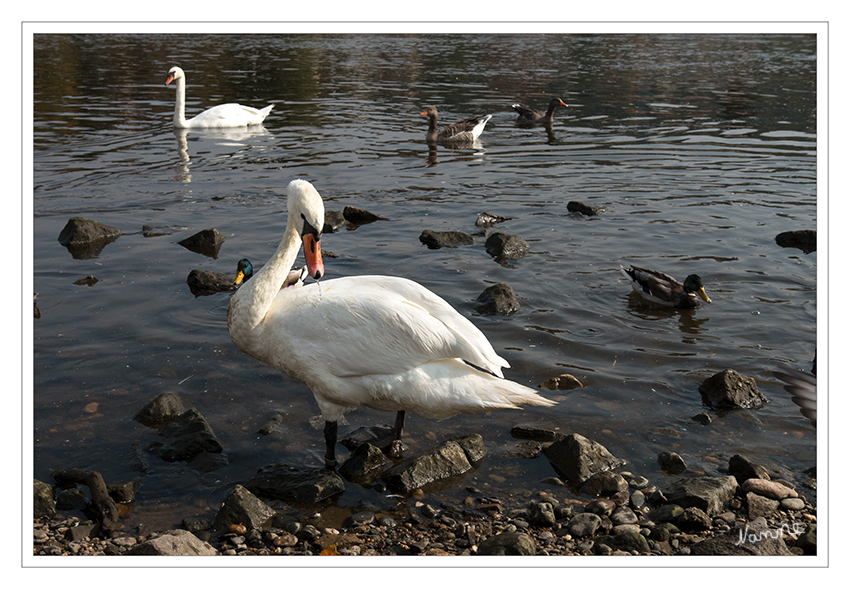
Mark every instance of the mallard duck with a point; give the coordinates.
(245, 270)
(381, 341)
(803, 388)
(665, 290)
(217, 117)
(530, 116)
(464, 131)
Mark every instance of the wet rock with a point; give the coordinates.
(580, 458)
(729, 390)
(163, 409)
(203, 282)
(174, 543)
(89, 280)
(452, 458)
(43, 504)
(207, 461)
(334, 220)
(185, 437)
(364, 466)
(151, 231)
(623, 516)
(105, 509)
(85, 239)
(36, 310)
(538, 434)
(498, 299)
(488, 220)
(792, 504)
(575, 206)
(804, 239)
(584, 525)
(562, 382)
(70, 499)
(437, 239)
(508, 543)
(295, 483)
(358, 216)
(206, 242)
(693, 519)
(671, 463)
(243, 508)
(754, 538)
(637, 500)
(626, 541)
(666, 513)
(542, 514)
(770, 489)
(604, 483)
(702, 418)
(527, 449)
(601, 507)
(711, 494)
(808, 541)
(137, 458)
(272, 424)
(743, 468)
(506, 247)
(124, 492)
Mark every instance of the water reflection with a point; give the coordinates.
(225, 137)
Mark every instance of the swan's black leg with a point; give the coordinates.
(330, 443)
(399, 425)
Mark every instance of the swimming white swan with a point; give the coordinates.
(217, 117)
(381, 341)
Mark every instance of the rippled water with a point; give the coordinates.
(701, 149)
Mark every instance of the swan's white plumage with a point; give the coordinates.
(218, 117)
(381, 341)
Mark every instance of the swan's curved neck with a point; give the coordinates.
(249, 305)
(180, 105)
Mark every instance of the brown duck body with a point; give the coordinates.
(464, 131)
(530, 116)
(665, 290)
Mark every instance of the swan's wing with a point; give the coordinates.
(803, 389)
(229, 114)
(396, 323)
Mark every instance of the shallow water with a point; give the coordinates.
(701, 149)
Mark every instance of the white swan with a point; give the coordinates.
(381, 341)
(217, 117)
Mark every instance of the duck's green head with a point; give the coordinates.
(693, 283)
(244, 271)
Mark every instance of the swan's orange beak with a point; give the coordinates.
(313, 255)
(168, 79)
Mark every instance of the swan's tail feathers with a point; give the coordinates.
(507, 394)
(264, 112)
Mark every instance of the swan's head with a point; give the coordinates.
(244, 271)
(693, 283)
(174, 73)
(306, 211)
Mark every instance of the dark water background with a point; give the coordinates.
(700, 148)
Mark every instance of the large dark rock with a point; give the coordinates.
(804, 239)
(206, 242)
(584, 525)
(164, 408)
(576, 206)
(604, 483)
(452, 458)
(85, 238)
(729, 390)
(626, 541)
(711, 494)
(743, 468)
(498, 299)
(359, 216)
(364, 466)
(580, 458)
(672, 463)
(508, 543)
(204, 282)
(301, 484)
(242, 507)
(334, 220)
(43, 503)
(173, 543)
(184, 438)
(437, 239)
(506, 247)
